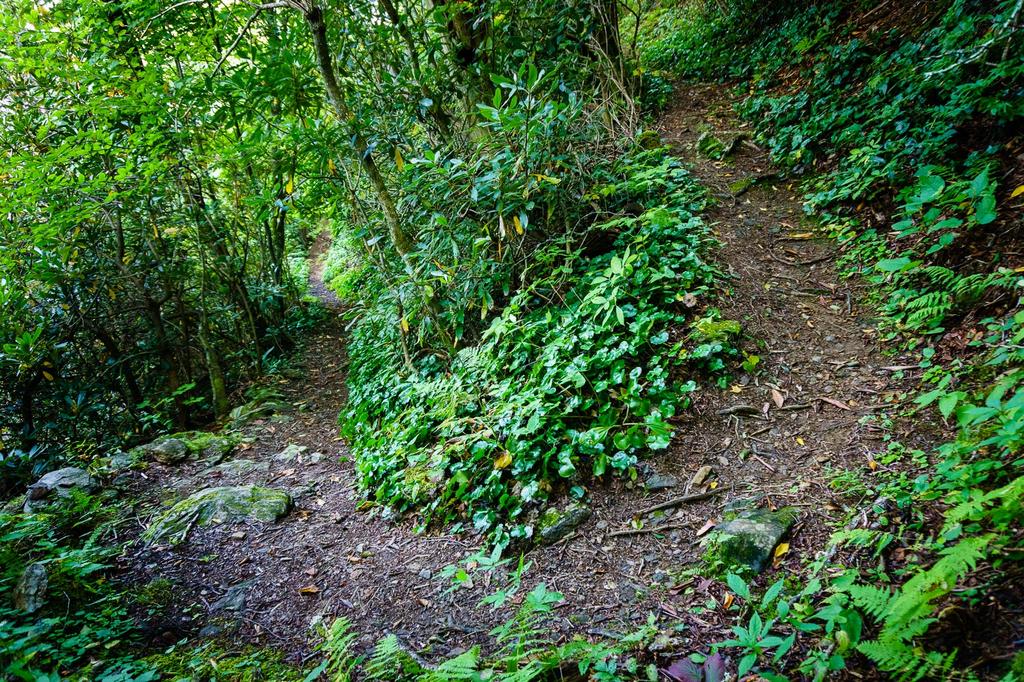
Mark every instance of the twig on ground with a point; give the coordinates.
(675, 502)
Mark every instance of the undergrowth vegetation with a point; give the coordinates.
(575, 377)
(906, 122)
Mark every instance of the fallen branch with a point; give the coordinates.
(795, 406)
(641, 531)
(738, 409)
(675, 502)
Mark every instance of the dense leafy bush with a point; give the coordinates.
(576, 376)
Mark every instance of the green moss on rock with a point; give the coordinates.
(716, 331)
(219, 505)
(554, 524)
(749, 540)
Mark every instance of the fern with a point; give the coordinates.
(907, 613)
(391, 661)
(337, 647)
(463, 668)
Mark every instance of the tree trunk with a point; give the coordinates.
(403, 243)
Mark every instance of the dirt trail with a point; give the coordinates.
(329, 559)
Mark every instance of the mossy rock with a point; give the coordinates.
(261, 408)
(226, 504)
(648, 139)
(237, 468)
(555, 524)
(749, 539)
(710, 146)
(716, 331)
(178, 447)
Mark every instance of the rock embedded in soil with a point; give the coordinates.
(236, 468)
(179, 447)
(660, 482)
(234, 598)
(291, 452)
(61, 483)
(555, 524)
(30, 592)
(226, 504)
(750, 537)
(166, 451)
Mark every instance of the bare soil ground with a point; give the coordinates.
(812, 408)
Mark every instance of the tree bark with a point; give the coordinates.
(403, 243)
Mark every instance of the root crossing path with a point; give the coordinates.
(776, 434)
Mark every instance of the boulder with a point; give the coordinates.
(749, 538)
(262, 408)
(228, 504)
(710, 146)
(30, 592)
(60, 483)
(178, 447)
(165, 450)
(554, 524)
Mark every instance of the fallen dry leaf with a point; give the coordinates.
(309, 589)
(832, 401)
(729, 599)
(778, 398)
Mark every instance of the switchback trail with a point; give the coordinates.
(779, 434)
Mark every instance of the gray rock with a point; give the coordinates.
(178, 447)
(291, 452)
(227, 504)
(236, 468)
(167, 451)
(234, 598)
(554, 524)
(258, 409)
(30, 592)
(661, 482)
(750, 538)
(61, 482)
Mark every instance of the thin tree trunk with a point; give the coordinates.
(403, 243)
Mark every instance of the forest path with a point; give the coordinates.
(329, 557)
(816, 406)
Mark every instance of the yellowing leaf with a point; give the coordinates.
(519, 225)
(399, 161)
(309, 589)
(405, 326)
(330, 165)
(799, 440)
(713, 485)
(48, 376)
(503, 462)
(780, 551)
(1017, 192)
(288, 188)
